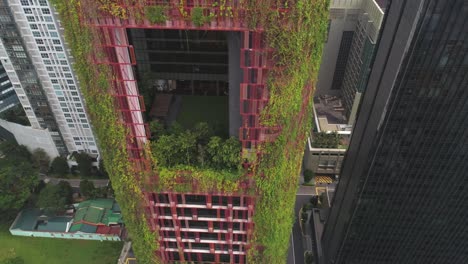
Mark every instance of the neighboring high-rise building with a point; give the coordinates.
(360, 56)
(38, 65)
(353, 29)
(402, 196)
(251, 63)
(8, 97)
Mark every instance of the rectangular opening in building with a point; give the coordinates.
(189, 76)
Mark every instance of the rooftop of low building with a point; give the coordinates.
(91, 216)
(329, 114)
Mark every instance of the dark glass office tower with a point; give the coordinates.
(403, 194)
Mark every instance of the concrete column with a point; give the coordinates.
(235, 77)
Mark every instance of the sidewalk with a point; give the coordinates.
(75, 183)
(126, 256)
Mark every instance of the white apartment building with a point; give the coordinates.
(42, 43)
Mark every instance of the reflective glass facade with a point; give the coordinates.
(403, 194)
(8, 98)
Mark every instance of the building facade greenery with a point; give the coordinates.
(297, 42)
(112, 135)
(296, 32)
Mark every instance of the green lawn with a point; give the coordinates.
(211, 109)
(57, 251)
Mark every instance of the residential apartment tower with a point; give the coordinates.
(39, 66)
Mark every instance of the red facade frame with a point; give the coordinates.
(179, 221)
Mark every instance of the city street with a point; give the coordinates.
(296, 247)
(74, 183)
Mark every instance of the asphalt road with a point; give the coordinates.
(296, 248)
(74, 183)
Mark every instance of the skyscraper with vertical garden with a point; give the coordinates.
(201, 109)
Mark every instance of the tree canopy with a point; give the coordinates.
(87, 189)
(59, 166)
(196, 147)
(18, 178)
(66, 191)
(40, 160)
(52, 199)
(13, 151)
(224, 153)
(84, 164)
(17, 181)
(324, 140)
(157, 129)
(15, 114)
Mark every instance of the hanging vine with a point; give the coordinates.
(111, 134)
(296, 35)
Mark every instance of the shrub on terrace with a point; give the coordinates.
(324, 140)
(157, 129)
(156, 14)
(224, 153)
(198, 18)
(203, 132)
(196, 147)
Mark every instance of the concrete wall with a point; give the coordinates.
(314, 158)
(64, 235)
(235, 77)
(32, 138)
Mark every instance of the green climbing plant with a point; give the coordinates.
(198, 18)
(297, 37)
(181, 7)
(156, 14)
(112, 135)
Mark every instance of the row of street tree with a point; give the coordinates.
(19, 171)
(85, 169)
(19, 178)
